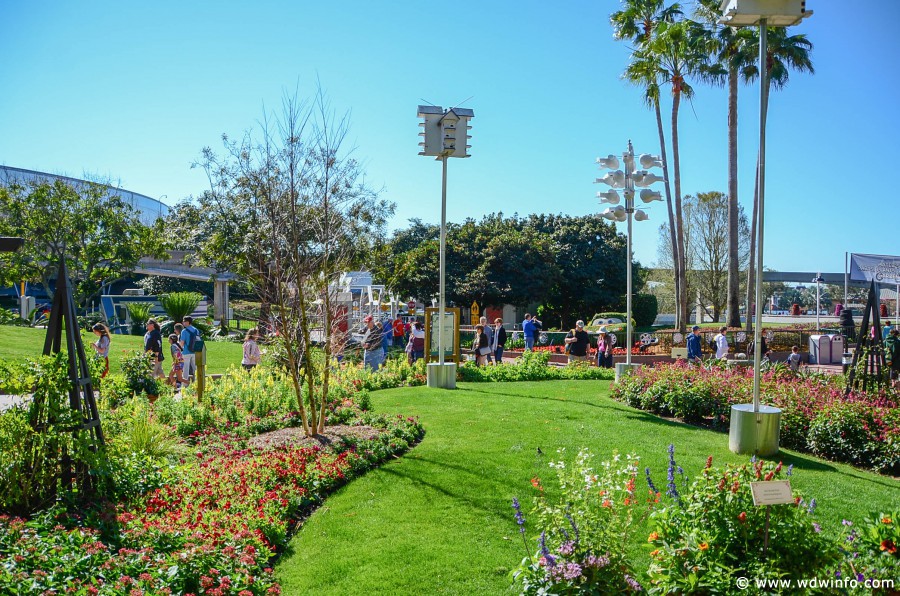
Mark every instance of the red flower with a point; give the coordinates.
(889, 546)
(742, 517)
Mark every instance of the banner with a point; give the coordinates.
(880, 268)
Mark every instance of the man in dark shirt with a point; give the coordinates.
(695, 349)
(578, 342)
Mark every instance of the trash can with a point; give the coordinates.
(846, 361)
(819, 349)
(837, 348)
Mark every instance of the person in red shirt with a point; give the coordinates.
(398, 331)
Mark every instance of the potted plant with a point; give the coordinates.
(138, 370)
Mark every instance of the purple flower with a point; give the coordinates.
(545, 552)
(650, 480)
(846, 522)
(574, 529)
(566, 548)
(790, 471)
(632, 583)
(752, 459)
(671, 489)
(812, 506)
(816, 527)
(596, 562)
(520, 519)
(837, 573)
(860, 577)
(566, 572)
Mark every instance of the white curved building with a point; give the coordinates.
(150, 209)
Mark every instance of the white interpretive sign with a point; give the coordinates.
(775, 492)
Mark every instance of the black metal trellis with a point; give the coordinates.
(81, 390)
(874, 368)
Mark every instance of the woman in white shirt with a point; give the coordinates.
(721, 343)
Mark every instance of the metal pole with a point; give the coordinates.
(897, 313)
(443, 251)
(629, 209)
(846, 279)
(763, 100)
(817, 303)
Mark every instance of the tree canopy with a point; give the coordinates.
(569, 266)
(101, 235)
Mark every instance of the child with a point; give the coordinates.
(101, 346)
(794, 359)
(175, 377)
(252, 354)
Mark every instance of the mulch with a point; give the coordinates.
(293, 436)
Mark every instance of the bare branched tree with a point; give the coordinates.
(310, 218)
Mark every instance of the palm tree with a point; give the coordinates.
(783, 53)
(731, 50)
(681, 53)
(637, 21)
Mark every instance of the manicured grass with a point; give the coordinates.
(23, 342)
(439, 519)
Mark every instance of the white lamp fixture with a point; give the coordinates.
(627, 180)
(776, 13)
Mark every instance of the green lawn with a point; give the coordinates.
(439, 519)
(22, 342)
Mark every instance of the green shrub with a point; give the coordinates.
(531, 366)
(179, 304)
(712, 534)
(140, 314)
(644, 308)
(871, 549)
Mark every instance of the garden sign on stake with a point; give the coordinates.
(773, 492)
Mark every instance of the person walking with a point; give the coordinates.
(721, 343)
(489, 331)
(386, 336)
(373, 354)
(578, 341)
(101, 346)
(417, 338)
(176, 379)
(499, 341)
(480, 346)
(538, 326)
(886, 332)
(892, 353)
(604, 350)
(189, 335)
(694, 347)
(153, 344)
(528, 331)
(398, 331)
(252, 355)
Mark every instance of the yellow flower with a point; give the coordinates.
(703, 546)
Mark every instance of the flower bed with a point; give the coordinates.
(860, 428)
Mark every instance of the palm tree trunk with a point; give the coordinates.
(733, 302)
(668, 189)
(679, 220)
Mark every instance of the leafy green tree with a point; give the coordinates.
(101, 235)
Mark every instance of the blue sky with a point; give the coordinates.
(134, 91)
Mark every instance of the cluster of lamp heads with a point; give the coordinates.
(619, 179)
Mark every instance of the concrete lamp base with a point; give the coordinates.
(623, 369)
(441, 376)
(755, 433)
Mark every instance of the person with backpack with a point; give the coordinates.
(720, 343)
(188, 342)
(153, 344)
(252, 355)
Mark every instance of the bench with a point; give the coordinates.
(679, 353)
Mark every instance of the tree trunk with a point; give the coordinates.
(733, 303)
(679, 220)
(665, 168)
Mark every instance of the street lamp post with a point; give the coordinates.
(627, 180)
(445, 135)
(818, 279)
(755, 428)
